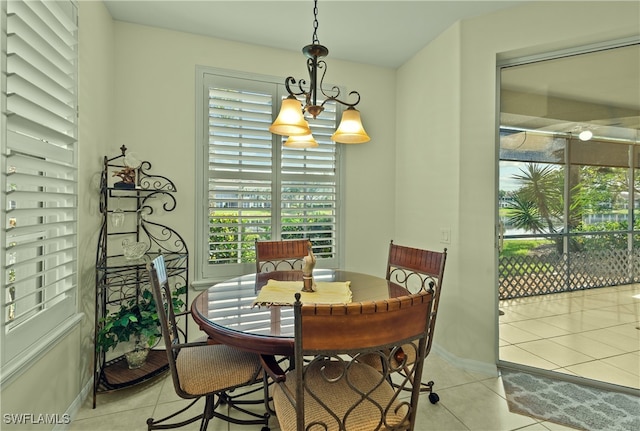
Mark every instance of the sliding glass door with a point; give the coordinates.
(568, 192)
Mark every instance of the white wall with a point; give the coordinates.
(457, 90)
(97, 106)
(155, 117)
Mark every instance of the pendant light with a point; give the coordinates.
(291, 121)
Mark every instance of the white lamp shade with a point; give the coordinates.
(301, 141)
(290, 120)
(350, 130)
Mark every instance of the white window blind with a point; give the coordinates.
(257, 189)
(39, 170)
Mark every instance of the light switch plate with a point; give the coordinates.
(445, 235)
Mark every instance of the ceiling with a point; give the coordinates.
(379, 32)
(600, 91)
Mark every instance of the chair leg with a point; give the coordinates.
(267, 397)
(424, 387)
(235, 402)
(211, 404)
(208, 413)
(159, 424)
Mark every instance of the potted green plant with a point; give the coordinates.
(135, 322)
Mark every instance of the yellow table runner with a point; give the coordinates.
(282, 293)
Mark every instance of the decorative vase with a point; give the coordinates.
(137, 356)
(117, 218)
(133, 250)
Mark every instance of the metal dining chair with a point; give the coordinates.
(419, 270)
(280, 255)
(329, 388)
(199, 369)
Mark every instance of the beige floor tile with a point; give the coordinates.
(532, 312)
(513, 334)
(557, 306)
(631, 312)
(511, 316)
(471, 403)
(588, 346)
(495, 384)
(629, 362)
(436, 417)
(520, 356)
(612, 338)
(555, 352)
(629, 330)
(135, 397)
(127, 420)
(540, 328)
(602, 371)
(168, 392)
(444, 374)
(598, 301)
(573, 322)
(607, 317)
(565, 371)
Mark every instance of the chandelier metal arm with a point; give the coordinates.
(342, 102)
(292, 81)
(311, 95)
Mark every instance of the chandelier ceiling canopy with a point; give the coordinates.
(291, 120)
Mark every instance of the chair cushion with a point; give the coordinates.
(214, 368)
(339, 397)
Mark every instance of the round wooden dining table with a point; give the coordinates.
(227, 314)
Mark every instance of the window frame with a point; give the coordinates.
(206, 273)
(51, 156)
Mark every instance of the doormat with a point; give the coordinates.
(578, 406)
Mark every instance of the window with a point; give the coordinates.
(253, 188)
(39, 174)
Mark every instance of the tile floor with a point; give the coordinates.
(468, 401)
(592, 333)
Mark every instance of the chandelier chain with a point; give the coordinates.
(315, 23)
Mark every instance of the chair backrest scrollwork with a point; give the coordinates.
(283, 255)
(417, 270)
(330, 339)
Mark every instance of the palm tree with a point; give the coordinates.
(539, 202)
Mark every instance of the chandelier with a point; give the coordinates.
(291, 119)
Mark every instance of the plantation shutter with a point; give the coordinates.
(257, 189)
(39, 170)
(309, 189)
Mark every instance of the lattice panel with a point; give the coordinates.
(598, 269)
(522, 276)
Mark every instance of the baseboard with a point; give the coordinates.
(491, 370)
(75, 406)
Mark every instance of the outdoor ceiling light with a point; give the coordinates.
(585, 135)
(291, 121)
